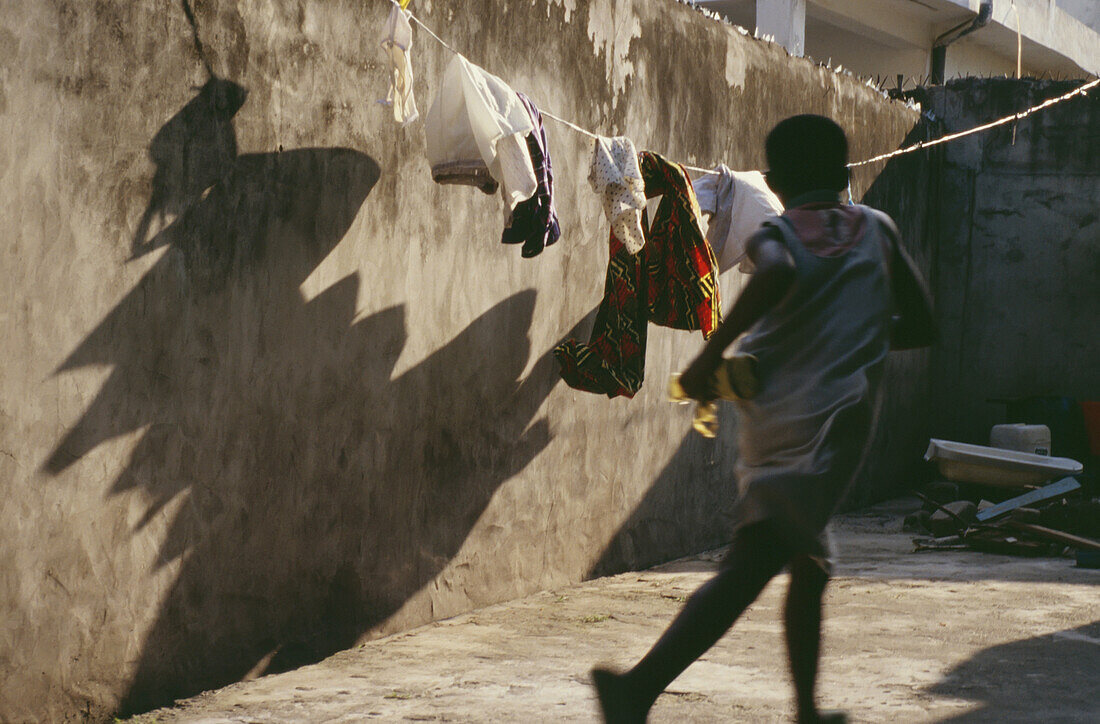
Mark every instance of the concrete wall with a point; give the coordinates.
(1087, 11)
(1019, 252)
(318, 404)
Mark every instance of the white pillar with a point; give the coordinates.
(785, 20)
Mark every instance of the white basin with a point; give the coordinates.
(965, 463)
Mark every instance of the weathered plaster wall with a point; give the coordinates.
(318, 403)
(1019, 253)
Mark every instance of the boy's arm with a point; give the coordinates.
(775, 273)
(914, 323)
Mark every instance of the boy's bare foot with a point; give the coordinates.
(616, 703)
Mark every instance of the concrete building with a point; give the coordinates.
(885, 38)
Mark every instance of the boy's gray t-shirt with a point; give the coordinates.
(821, 352)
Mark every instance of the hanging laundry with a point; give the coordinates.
(396, 42)
(615, 176)
(534, 222)
(672, 281)
(476, 134)
(738, 202)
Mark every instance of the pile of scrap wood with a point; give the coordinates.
(1054, 519)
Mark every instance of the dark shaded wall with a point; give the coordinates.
(1019, 252)
(906, 188)
(269, 389)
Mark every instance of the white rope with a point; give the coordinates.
(417, 20)
(1081, 90)
(696, 169)
(590, 134)
(570, 124)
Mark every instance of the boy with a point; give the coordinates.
(832, 292)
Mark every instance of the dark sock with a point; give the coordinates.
(755, 556)
(802, 617)
(532, 247)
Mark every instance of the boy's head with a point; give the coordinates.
(806, 153)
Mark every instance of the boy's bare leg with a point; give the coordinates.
(755, 556)
(802, 617)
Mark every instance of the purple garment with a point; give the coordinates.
(535, 221)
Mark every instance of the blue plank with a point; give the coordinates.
(1047, 492)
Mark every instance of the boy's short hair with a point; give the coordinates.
(807, 153)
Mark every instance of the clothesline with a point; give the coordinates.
(482, 132)
(1081, 90)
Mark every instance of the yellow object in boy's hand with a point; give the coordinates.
(735, 379)
(705, 421)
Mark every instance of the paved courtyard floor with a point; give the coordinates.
(909, 637)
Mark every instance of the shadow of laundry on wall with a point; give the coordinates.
(1047, 678)
(305, 492)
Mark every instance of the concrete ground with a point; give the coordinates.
(909, 637)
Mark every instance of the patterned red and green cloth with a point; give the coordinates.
(672, 281)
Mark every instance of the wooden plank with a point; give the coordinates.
(1007, 545)
(1063, 487)
(1074, 541)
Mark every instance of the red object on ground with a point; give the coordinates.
(1091, 412)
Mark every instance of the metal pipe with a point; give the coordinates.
(939, 46)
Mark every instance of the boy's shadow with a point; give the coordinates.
(193, 151)
(1044, 678)
(303, 490)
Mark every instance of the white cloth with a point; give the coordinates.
(615, 175)
(738, 202)
(396, 43)
(477, 128)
